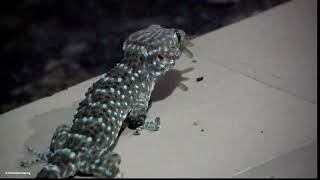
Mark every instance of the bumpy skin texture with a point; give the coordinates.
(120, 95)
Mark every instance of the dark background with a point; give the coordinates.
(49, 45)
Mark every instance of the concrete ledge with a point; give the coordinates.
(255, 107)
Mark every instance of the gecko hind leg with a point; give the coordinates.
(41, 157)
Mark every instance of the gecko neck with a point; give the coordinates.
(151, 68)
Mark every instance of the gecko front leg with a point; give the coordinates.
(137, 117)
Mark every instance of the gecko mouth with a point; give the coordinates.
(185, 50)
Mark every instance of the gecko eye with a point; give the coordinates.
(178, 37)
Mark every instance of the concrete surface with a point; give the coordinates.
(256, 108)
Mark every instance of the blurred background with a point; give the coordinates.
(48, 46)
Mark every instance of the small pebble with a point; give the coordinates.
(137, 132)
(199, 79)
(194, 61)
(196, 123)
(202, 130)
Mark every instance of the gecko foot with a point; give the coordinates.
(152, 125)
(41, 157)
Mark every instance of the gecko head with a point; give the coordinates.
(157, 46)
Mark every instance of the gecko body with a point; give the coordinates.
(122, 94)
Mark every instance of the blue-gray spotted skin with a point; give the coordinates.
(120, 94)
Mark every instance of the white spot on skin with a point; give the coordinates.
(104, 106)
(125, 87)
(119, 79)
(103, 90)
(111, 90)
(89, 139)
(139, 71)
(82, 163)
(109, 111)
(136, 74)
(118, 92)
(100, 120)
(84, 119)
(115, 113)
(113, 119)
(118, 103)
(129, 91)
(132, 78)
(123, 96)
(136, 86)
(111, 102)
(109, 128)
(72, 155)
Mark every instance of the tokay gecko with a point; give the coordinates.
(120, 95)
